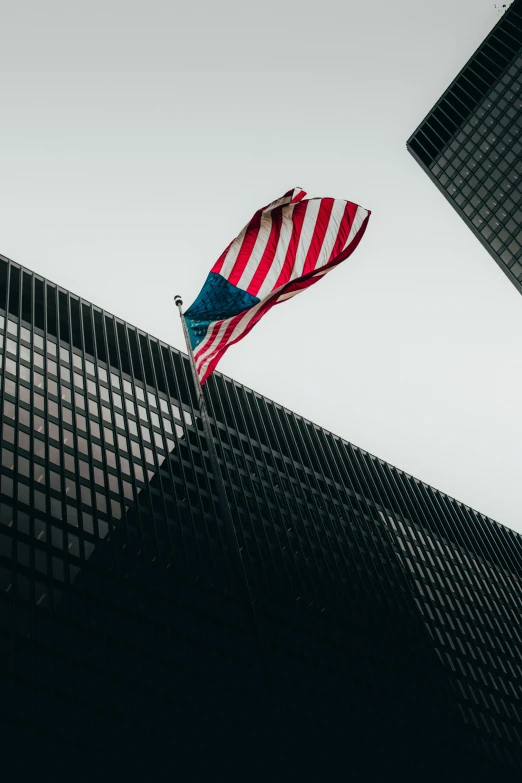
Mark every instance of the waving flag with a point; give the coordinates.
(287, 246)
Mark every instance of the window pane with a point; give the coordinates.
(9, 409)
(8, 433)
(24, 466)
(8, 459)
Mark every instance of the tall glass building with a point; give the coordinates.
(374, 628)
(470, 143)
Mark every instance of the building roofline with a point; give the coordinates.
(253, 391)
(516, 4)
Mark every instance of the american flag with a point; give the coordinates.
(286, 247)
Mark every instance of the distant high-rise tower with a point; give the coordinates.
(470, 143)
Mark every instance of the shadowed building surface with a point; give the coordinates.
(385, 635)
(470, 143)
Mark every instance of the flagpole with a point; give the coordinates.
(224, 506)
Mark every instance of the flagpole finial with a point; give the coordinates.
(178, 300)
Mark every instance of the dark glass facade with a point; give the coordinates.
(470, 144)
(381, 632)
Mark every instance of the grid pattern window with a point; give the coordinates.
(370, 594)
(471, 144)
(471, 609)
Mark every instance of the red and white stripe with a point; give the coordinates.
(287, 247)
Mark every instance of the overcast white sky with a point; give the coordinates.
(137, 138)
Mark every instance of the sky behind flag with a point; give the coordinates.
(287, 246)
(137, 137)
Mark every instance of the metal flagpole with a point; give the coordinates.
(216, 470)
